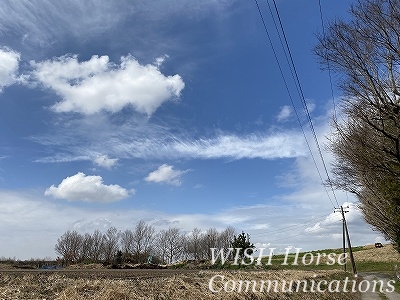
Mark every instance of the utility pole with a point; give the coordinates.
(344, 242)
(346, 234)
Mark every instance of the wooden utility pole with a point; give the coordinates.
(347, 236)
(344, 243)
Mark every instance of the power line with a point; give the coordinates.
(304, 101)
(327, 61)
(300, 234)
(287, 237)
(291, 227)
(290, 97)
(301, 94)
(345, 229)
(283, 47)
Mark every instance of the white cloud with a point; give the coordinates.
(9, 62)
(84, 225)
(92, 86)
(42, 23)
(308, 220)
(352, 215)
(27, 219)
(310, 105)
(278, 145)
(285, 113)
(46, 22)
(304, 225)
(159, 60)
(105, 162)
(166, 173)
(81, 139)
(316, 228)
(80, 187)
(260, 226)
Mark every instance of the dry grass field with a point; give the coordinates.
(179, 285)
(95, 282)
(372, 254)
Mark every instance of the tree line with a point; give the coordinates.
(365, 51)
(136, 245)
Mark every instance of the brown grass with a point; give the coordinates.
(194, 285)
(101, 284)
(86, 266)
(385, 254)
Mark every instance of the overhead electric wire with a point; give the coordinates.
(283, 48)
(291, 227)
(287, 237)
(300, 234)
(304, 102)
(291, 99)
(328, 63)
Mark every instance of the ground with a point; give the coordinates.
(95, 282)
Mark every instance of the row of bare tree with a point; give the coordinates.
(137, 245)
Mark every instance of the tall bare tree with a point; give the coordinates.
(69, 246)
(193, 244)
(210, 240)
(160, 245)
(86, 247)
(143, 237)
(366, 142)
(96, 251)
(170, 244)
(127, 241)
(198, 243)
(225, 238)
(110, 243)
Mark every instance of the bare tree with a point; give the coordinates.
(170, 244)
(69, 246)
(160, 245)
(198, 243)
(210, 241)
(127, 241)
(225, 238)
(142, 240)
(110, 243)
(167, 245)
(193, 244)
(85, 249)
(366, 141)
(96, 250)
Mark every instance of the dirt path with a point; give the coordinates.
(377, 295)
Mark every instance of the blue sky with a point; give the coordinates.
(174, 112)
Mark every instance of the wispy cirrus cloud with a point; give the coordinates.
(152, 141)
(45, 21)
(275, 145)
